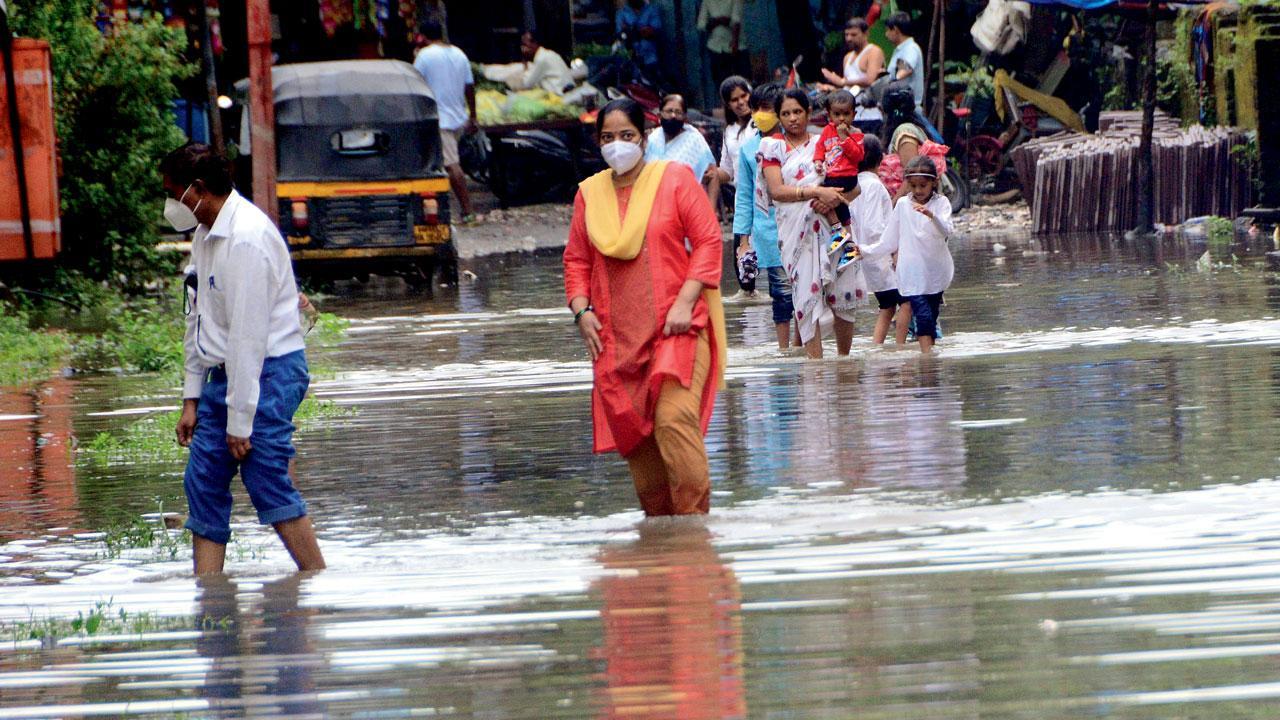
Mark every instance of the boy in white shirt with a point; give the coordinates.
(870, 209)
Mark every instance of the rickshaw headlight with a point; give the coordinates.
(298, 209)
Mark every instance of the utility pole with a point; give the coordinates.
(262, 109)
(216, 138)
(1146, 161)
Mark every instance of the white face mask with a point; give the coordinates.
(621, 155)
(182, 218)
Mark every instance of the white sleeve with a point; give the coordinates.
(249, 293)
(941, 208)
(193, 370)
(888, 243)
(772, 150)
(728, 163)
(873, 215)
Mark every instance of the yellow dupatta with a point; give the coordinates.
(622, 238)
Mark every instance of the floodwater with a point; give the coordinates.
(1068, 513)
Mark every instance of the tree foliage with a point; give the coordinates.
(112, 98)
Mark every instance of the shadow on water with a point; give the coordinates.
(1065, 513)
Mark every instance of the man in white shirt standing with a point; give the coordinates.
(721, 20)
(246, 371)
(907, 62)
(544, 68)
(448, 71)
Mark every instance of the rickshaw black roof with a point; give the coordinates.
(346, 91)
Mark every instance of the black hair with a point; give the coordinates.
(765, 96)
(840, 98)
(533, 37)
(431, 28)
(899, 21)
(921, 165)
(684, 105)
(872, 154)
(857, 22)
(796, 94)
(731, 83)
(632, 109)
(197, 161)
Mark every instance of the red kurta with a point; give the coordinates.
(632, 298)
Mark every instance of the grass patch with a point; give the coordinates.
(1220, 231)
(28, 355)
(329, 330)
(151, 440)
(140, 533)
(103, 619)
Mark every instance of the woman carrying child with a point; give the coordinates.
(918, 230)
(787, 164)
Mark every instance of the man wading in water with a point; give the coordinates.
(246, 372)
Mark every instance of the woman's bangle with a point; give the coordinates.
(578, 315)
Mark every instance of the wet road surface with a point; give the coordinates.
(1069, 512)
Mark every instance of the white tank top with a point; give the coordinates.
(853, 73)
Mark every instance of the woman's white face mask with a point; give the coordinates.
(621, 155)
(182, 218)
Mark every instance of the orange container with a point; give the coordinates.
(34, 80)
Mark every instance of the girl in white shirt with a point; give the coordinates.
(918, 231)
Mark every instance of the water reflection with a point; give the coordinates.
(37, 464)
(672, 642)
(259, 656)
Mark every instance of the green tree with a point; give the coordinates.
(112, 96)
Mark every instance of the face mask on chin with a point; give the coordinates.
(182, 218)
(672, 126)
(621, 155)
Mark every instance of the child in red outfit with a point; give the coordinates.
(839, 152)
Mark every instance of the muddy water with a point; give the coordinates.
(1068, 513)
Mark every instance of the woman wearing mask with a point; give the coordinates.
(642, 277)
(795, 188)
(681, 142)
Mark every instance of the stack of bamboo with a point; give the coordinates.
(1089, 183)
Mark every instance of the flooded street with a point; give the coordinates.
(1069, 512)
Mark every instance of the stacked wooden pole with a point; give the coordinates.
(1088, 183)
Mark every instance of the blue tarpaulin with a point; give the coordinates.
(1077, 4)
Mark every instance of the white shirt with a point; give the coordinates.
(721, 38)
(734, 134)
(853, 73)
(548, 71)
(924, 260)
(448, 72)
(870, 213)
(245, 309)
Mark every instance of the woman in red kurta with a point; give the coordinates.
(647, 305)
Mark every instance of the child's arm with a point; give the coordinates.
(851, 148)
(888, 242)
(820, 152)
(939, 211)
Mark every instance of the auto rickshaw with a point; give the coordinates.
(360, 182)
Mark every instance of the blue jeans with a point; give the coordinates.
(924, 311)
(265, 471)
(780, 292)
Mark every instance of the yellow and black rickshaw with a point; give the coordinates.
(361, 184)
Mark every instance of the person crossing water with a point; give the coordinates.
(649, 311)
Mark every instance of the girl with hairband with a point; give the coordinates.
(918, 231)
